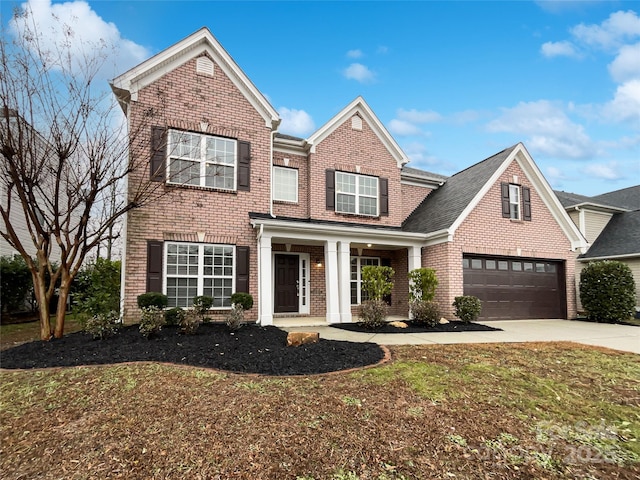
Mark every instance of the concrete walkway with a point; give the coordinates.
(617, 337)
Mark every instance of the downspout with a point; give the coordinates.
(259, 272)
(273, 134)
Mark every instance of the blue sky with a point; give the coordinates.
(454, 82)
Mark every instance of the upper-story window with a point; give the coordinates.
(202, 160)
(357, 194)
(514, 202)
(285, 184)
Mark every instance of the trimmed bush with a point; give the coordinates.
(607, 291)
(235, 318)
(202, 303)
(15, 284)
(190, 322)
(151, 321)
(373, 313)
(467, 307)
(425, 312)
(102, 325)
(377, 281)
(245, 300)
(97, 288)
(174, 316)
(422, 284)
(152, 299)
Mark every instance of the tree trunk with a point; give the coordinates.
(43, 306)
(61, 310)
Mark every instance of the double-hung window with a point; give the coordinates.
(194, 269)
(357, 295)
(357, 194)
(285, 184)
(202, 160)
(514, 201)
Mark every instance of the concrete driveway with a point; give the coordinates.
(617, 337)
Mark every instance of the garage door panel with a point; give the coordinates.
(515, 288)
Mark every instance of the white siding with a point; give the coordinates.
(595, 223)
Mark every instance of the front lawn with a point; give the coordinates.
(553, 410)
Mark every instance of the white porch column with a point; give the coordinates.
(344, 281)
(331, 278)
(415, 257)
(265, 284)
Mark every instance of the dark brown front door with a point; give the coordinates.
(286, 283)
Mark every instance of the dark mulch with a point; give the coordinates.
(252, 349)
(412, 327)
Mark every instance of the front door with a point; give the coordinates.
(286, 283)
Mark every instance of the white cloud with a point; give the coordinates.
(359, 73)
(403, 128)
(419, 155)
(382, 50)
(559, 49)
(604, 171)
(554, 174)
(354, 53)
(626, 65)
(295, 122)
(76, 28)
(625, 105)
(417, 116)
(619, 28)
(548, 129)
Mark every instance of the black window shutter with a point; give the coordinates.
(244, 165)
(331, 189)
(158, 154)
(384, 196)
(526, 203)
(154, 266)
(506, 206)
(242, 269)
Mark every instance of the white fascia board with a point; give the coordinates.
(195, 44)
(360, 106)
(596, 208)
(320, 232)
(441, 236)
(610, 257)
(292, 147)
(424, 183)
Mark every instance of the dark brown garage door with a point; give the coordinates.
(516, 288)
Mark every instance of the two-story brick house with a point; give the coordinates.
(293, 221)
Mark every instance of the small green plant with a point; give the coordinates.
(377, 281)
(96, 289)
(243, 299)
(190, 322)
(152, 299)
(151, 321)
(422, 284)
(202, 304)
(373, 313)
(425, 312)
(102, 325)
(174, 316)
(467, 307)
(607, 291)
(458, 440)
(235, 317)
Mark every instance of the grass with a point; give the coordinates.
(14, 333)
(553, 410)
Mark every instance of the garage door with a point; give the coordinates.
(516, 288)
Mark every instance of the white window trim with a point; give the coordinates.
(200, 276)
(359, 272)
(357, 194)
(273, 190)
(172, 150)
(515, 195)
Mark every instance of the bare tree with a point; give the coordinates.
(66, 156)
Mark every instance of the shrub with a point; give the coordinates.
(151, 321)
(245, 300)
(422, 284)
(373, 313)
(174, 316)
(190, 322)
(102, 325)
(376, 281)
(15, 284)
(235, 318)
(202, 303)
(467, 307)
(97, 288)
(425, 312)
(607, 291)
(152, 299)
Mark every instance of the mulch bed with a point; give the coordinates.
(252, 349)
(413, 327)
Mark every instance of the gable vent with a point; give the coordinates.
(356, 123)
(204, 66)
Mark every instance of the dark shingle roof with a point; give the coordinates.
(443, 206)
(288, 137)
(628, 198)
(621, 236)
(568, 199)
(423, 173)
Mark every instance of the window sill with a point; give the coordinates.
(285, 202)
(176, 186)
(516, 220)
(357, 215)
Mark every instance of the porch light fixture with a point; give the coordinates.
(318, 263)
(369, 245)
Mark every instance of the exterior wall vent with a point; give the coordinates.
(356, 122)
(204, 66)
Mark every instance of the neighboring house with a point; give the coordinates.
(611, 224)
(293, 221)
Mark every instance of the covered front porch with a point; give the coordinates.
(309, 272)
